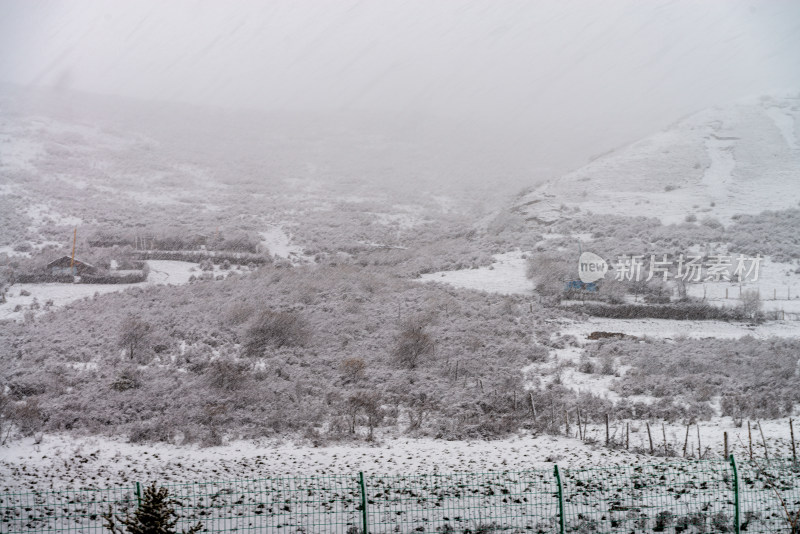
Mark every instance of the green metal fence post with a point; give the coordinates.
(736, 527)
(363, 502)
(138, 495)
(561, 520)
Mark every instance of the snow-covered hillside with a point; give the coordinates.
(741, 158)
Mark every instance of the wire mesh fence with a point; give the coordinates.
(462, 502)
(71, 511)
(690, 497)
(769, 493)
(283, 504)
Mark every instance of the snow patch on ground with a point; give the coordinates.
(785, 123)
(18, 153)
(170, 272)
(161, 272)
(717, 176)
(42, 214)
(778, 284)
(9, 249)
(278, 243)
(672, 329)
(506, 275)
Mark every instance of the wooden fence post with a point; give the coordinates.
(699, 446)
(764, 441)
(725, 439)
(686, 441)
(627, 436)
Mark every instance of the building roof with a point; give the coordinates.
(64, 261)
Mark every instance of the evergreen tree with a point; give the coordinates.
(155, 515)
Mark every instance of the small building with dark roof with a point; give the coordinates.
(61, 266)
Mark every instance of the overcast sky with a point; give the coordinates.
(569, 68)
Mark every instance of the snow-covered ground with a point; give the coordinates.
(672, 329)
(42, 214)
(505, 276)
(63, 461)
(171, 272)
(279, 244)
(162, 272)
(8, 249)
(719, 162)
(18, 153)
(778, 285)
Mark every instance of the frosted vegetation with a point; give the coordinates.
(301, 312)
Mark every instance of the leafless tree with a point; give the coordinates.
(368, 404)
(134, 335)
(413, 343)
(751, 304)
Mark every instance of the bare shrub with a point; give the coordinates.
(413, 343)
(751, 304)
(225, 374)
(537, 353)
(29, 417)
(275, 329)
(238, 313)
(128, 378)
(353, 369)
(549, 272)
(150, 432)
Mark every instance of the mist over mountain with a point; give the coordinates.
(552, 83)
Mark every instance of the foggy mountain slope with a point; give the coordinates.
(357, 153)
(741, 158)
(555, 81)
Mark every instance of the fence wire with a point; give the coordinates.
(69, 511)
(690, 497)
(693, 497)
(769, 492)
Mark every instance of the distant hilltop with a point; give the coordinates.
(741, 158)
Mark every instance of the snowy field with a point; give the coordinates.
(162, 272)
(778, 283)
(505, 276)
(63, 461)
(279, 244)
(671, 329)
